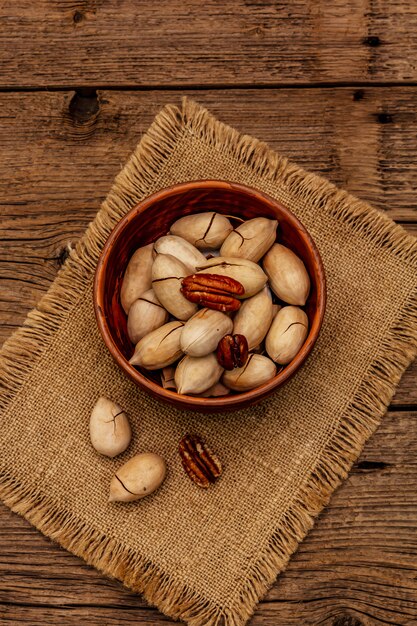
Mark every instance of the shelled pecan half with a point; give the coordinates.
(232, 351)
(198, 461)
(213, 291)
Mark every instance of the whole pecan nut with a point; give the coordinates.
(232, 351)
(198, 461)
(213, 291)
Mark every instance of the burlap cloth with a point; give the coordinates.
(207, 556)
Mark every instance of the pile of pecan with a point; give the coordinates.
(215, 306)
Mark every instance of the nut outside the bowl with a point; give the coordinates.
(151, 219)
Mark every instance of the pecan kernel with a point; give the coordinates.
(213, 291)
(214, 283)
(198, 461)
(232, 351)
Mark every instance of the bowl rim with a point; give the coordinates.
(233, 401)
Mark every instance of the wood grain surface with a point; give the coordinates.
(233, 42)
(331, 85)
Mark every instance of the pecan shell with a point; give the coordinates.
(198, 461)
(232, 351)
(213, 291)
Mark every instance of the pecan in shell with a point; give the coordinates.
(232, 351)
(198, 461)
(213, 291)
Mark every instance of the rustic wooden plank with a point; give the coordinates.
(406, 393)
(359, 561)
(234, 42)
(60, 152)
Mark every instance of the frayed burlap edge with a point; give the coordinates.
(21, 352)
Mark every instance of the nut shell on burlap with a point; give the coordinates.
(215, 551)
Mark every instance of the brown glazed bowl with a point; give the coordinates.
(151, 219)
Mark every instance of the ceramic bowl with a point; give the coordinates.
(151, 219)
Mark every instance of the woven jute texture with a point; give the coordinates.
(207, 557)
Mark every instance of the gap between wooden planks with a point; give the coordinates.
(62, 150)
(358, 561)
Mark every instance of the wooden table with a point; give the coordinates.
(333, 85)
